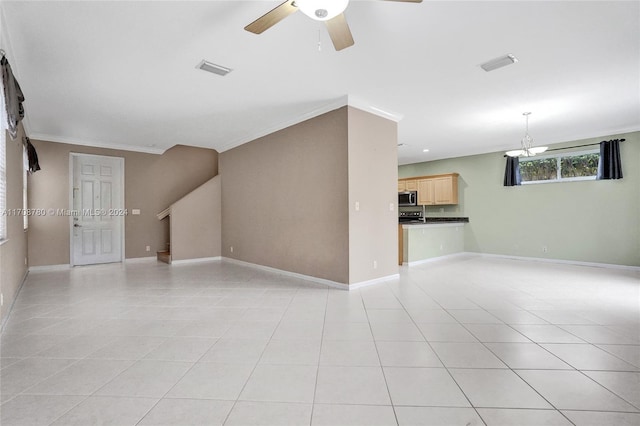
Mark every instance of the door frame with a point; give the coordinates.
(73, 155)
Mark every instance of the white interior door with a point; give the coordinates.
(97, 197)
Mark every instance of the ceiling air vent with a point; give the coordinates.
(213, 68)
(500, 62)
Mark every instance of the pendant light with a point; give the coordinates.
(527, 150)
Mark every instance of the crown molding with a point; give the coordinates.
(96, 144)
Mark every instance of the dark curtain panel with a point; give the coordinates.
(13, 98)
(512, 172)
(610, 166)
(34, 166)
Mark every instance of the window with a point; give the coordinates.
(3, 169)
(565, 167)
(25, 172)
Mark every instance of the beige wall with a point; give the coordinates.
(586, 221)
(13, 252)
(196, 223)
(288, 198)
(152, 183)
(373, 175)
(285, 197)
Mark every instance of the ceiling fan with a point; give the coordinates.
(329, 11)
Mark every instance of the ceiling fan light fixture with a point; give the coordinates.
(322, 10)
(500, 62)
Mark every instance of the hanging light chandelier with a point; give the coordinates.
(527, 149)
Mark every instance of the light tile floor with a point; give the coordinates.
(464, 341)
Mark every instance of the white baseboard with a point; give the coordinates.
(330, 283)
(374, 281)
(560, 261)
(147, 259)
(198, 260)
(436, 259)
(324, 281)
(13, 302)
(49, 268)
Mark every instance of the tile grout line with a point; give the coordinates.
(375, 344)
(434, 351)
(315, 387)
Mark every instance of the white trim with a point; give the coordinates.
(435, 259)
(97, 144)
(13, 302)
(561, 261)
(374, 281)
(196, 260)
(363, 105)
(49, 268)
(329, 283)
(147, 259)
(323, 109)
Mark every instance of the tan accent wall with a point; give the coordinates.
(152, 183)
(196, 223)
(13, 252)
(285, 196)
(373, 175)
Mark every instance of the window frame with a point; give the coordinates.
(25, 174)
(4, 233)
(558, 158)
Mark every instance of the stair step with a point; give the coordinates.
(164, 256)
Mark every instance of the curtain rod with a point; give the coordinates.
(580, 146)
(587, 144)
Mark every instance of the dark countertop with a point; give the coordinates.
(437, 220)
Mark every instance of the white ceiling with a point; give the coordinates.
(122, 73)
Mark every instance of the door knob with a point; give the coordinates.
(75, 225)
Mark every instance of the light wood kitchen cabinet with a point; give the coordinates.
(432, 190)
(407, 185)
(426, 193)
(412, 185)
(446, 189)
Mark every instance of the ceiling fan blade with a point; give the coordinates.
(339, 31)
(272, 17)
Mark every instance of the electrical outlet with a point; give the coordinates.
(148, 248)
(25, 261)
(357, 206)
(375, 264)
(390, 207)
(544, 249)
(441, 247)
(231, 249)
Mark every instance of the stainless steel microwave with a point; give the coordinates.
(406, 199)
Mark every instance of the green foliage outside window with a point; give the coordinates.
(580, 165)
(560, 167)
(540, 169)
